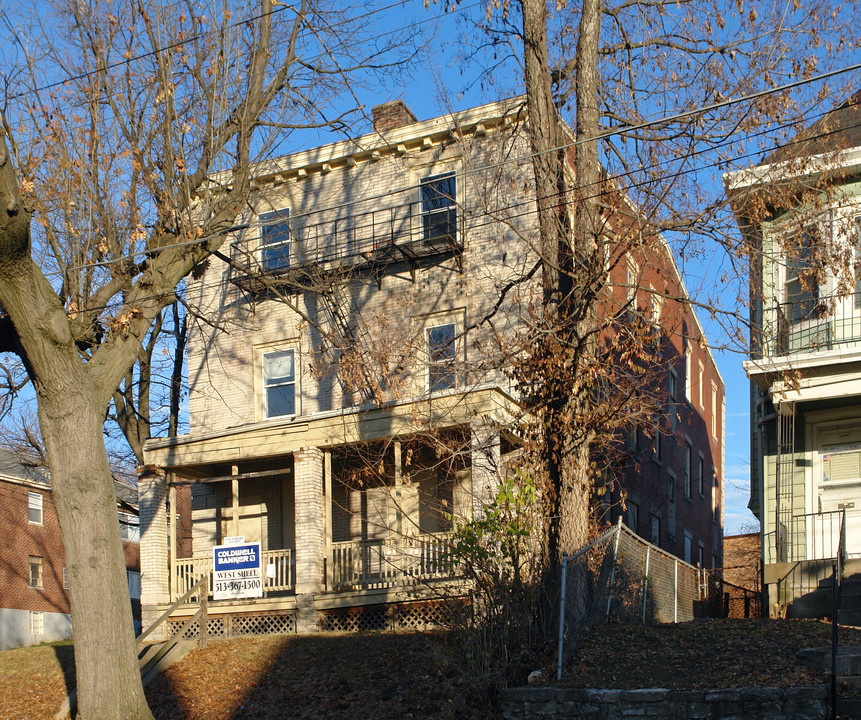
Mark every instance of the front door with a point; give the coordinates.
(838, 488)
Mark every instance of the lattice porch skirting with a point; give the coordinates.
(400, 617)
(240, 624)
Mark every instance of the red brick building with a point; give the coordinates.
(34, 604)
(668, 477)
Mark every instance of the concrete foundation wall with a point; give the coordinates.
(15, 628)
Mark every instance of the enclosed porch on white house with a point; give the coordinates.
(386, 522)
(340, 525)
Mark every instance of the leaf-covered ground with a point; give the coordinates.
(702, 654)
(384, 676)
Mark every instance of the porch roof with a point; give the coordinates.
(342, 427)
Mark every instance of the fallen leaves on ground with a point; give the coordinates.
(702, 654)
(385, 676)
(374, 676)
(33, 680)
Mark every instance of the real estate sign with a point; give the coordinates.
(237, 571)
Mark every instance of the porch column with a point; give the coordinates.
(155, 560)
(310, 540)
(234, 501)
(484, 449)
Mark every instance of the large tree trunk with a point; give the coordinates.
(86, 507)
(72, 409)
(571, 271)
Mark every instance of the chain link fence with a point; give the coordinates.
(622, 578)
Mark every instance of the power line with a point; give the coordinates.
(517, 160)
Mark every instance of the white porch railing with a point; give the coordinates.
(369, 564)
(187, 571)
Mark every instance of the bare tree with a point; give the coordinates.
(134, 140)
(645, 86)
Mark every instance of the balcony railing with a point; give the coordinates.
(394, 561)
(814, 536)
(187, 571)
(812, 325)
(404, 233)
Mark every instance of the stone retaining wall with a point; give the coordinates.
(806, 703)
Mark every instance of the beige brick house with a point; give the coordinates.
(347, 465)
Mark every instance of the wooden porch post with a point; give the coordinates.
(327, 515)
(172, 589)
(234, 525)
(399, 518)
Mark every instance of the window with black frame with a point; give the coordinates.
(275, 240)
(439, 208)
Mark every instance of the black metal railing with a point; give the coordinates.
(836, 587)
(813, 536)
(376, 237)
(811, 325)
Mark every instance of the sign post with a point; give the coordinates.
(237, 571)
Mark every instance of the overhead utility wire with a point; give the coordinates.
(530, 202)
(529, 156)
(245, 21)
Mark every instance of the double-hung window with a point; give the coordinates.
(441, 347)
(279, 383)
(275, 240)
(672, 389)
(801, 288)
(688, 451)
(130, 527)
(34, 508)
(35, 571)
(439, 208)
(701, 475)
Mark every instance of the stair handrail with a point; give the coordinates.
(837, 581)
(70, 703)
(167, 613)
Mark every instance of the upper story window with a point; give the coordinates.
(688, 479)
(715, 500)
(700, 389)
(716, 412)
(689, 384)
(279, 383)
(130, 527)
(34, 508)
(35, 571)
(441, 350)
(439, 207)
(701, 475)
(275, 240)
(672, 391)
(801, 283)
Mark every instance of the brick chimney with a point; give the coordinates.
(392, 115)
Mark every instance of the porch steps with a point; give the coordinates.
(153, 660)
(849, 611)
(848, 674)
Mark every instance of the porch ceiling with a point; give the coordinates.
(271, 438)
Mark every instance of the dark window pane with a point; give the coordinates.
(441, 352)
(439, 210)
(275, 239)
(281, 400)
